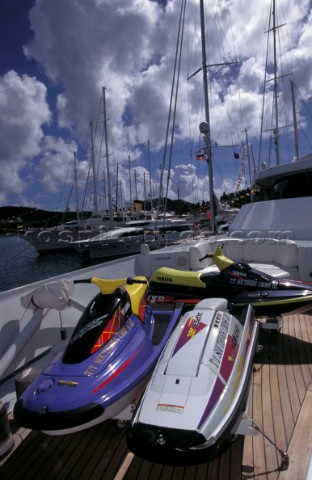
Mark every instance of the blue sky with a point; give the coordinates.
(57, 55)
(13, 34)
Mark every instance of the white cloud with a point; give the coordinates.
(23, 112)
(128, 46)
(56, 165)
(92, 44)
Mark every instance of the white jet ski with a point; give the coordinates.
(200, 386)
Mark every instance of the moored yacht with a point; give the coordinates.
(118, 242)
(128, 239)
(271, 233)
(282, 196)
(278, 213)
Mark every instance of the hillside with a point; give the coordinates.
(12, 217)
(31, 217)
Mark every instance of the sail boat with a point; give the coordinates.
(55, 239)
(278, 102)
(59, 238)
(204, 127)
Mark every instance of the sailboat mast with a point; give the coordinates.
(130, 179)
(111, 221)
(95, 200)
(248, 158)
(207, 118)
(117, 172)
(144, 187)
(135, 185)
(150, 174)
(276, 130)
(76, 188)
(295, 120)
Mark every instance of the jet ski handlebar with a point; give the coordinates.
(109, 286)
(218, 258)
(208, 255)
(83, 280)
(215, 254)
(128, 281)
(131, 281)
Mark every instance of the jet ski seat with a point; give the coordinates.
(278, 258)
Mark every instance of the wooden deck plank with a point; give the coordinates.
(267, 409)
(202, 471)
(119, 458)
(88, 448)
(297, 357)
(167, 472)
(236, 459)
(258, 460)
(266, 462)
(177, 473)
(51, 446)
(120, 475)
(156, 471)
(281, 359)
(86, 442)
(70, 447)
(133, 472)
(278, 422)
(277, 415)
(225, 465)
(24, 457)
(139, 469)
(213, 469)
(305, 348)
(145, 470)
(189, 472)
(290, 343)
(247, 455)
(106, 462)
(300, 446)
(71, 458)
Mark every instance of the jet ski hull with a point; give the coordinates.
(102, 370)
(238, 282)
(199, 388)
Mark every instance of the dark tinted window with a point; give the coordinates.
(299, 185)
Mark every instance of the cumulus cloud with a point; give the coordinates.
(57, 163)
(92, 44)
(23, 113)
(128, 46)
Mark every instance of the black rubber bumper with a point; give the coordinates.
(46, 420)
(167, 446)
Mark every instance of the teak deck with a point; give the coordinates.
(280, 403)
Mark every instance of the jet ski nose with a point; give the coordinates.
(142, 437)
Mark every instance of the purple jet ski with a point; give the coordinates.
(106, 363)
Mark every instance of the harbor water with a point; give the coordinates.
(20, 263)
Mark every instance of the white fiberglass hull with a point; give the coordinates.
(199, 387)
(106, 249)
